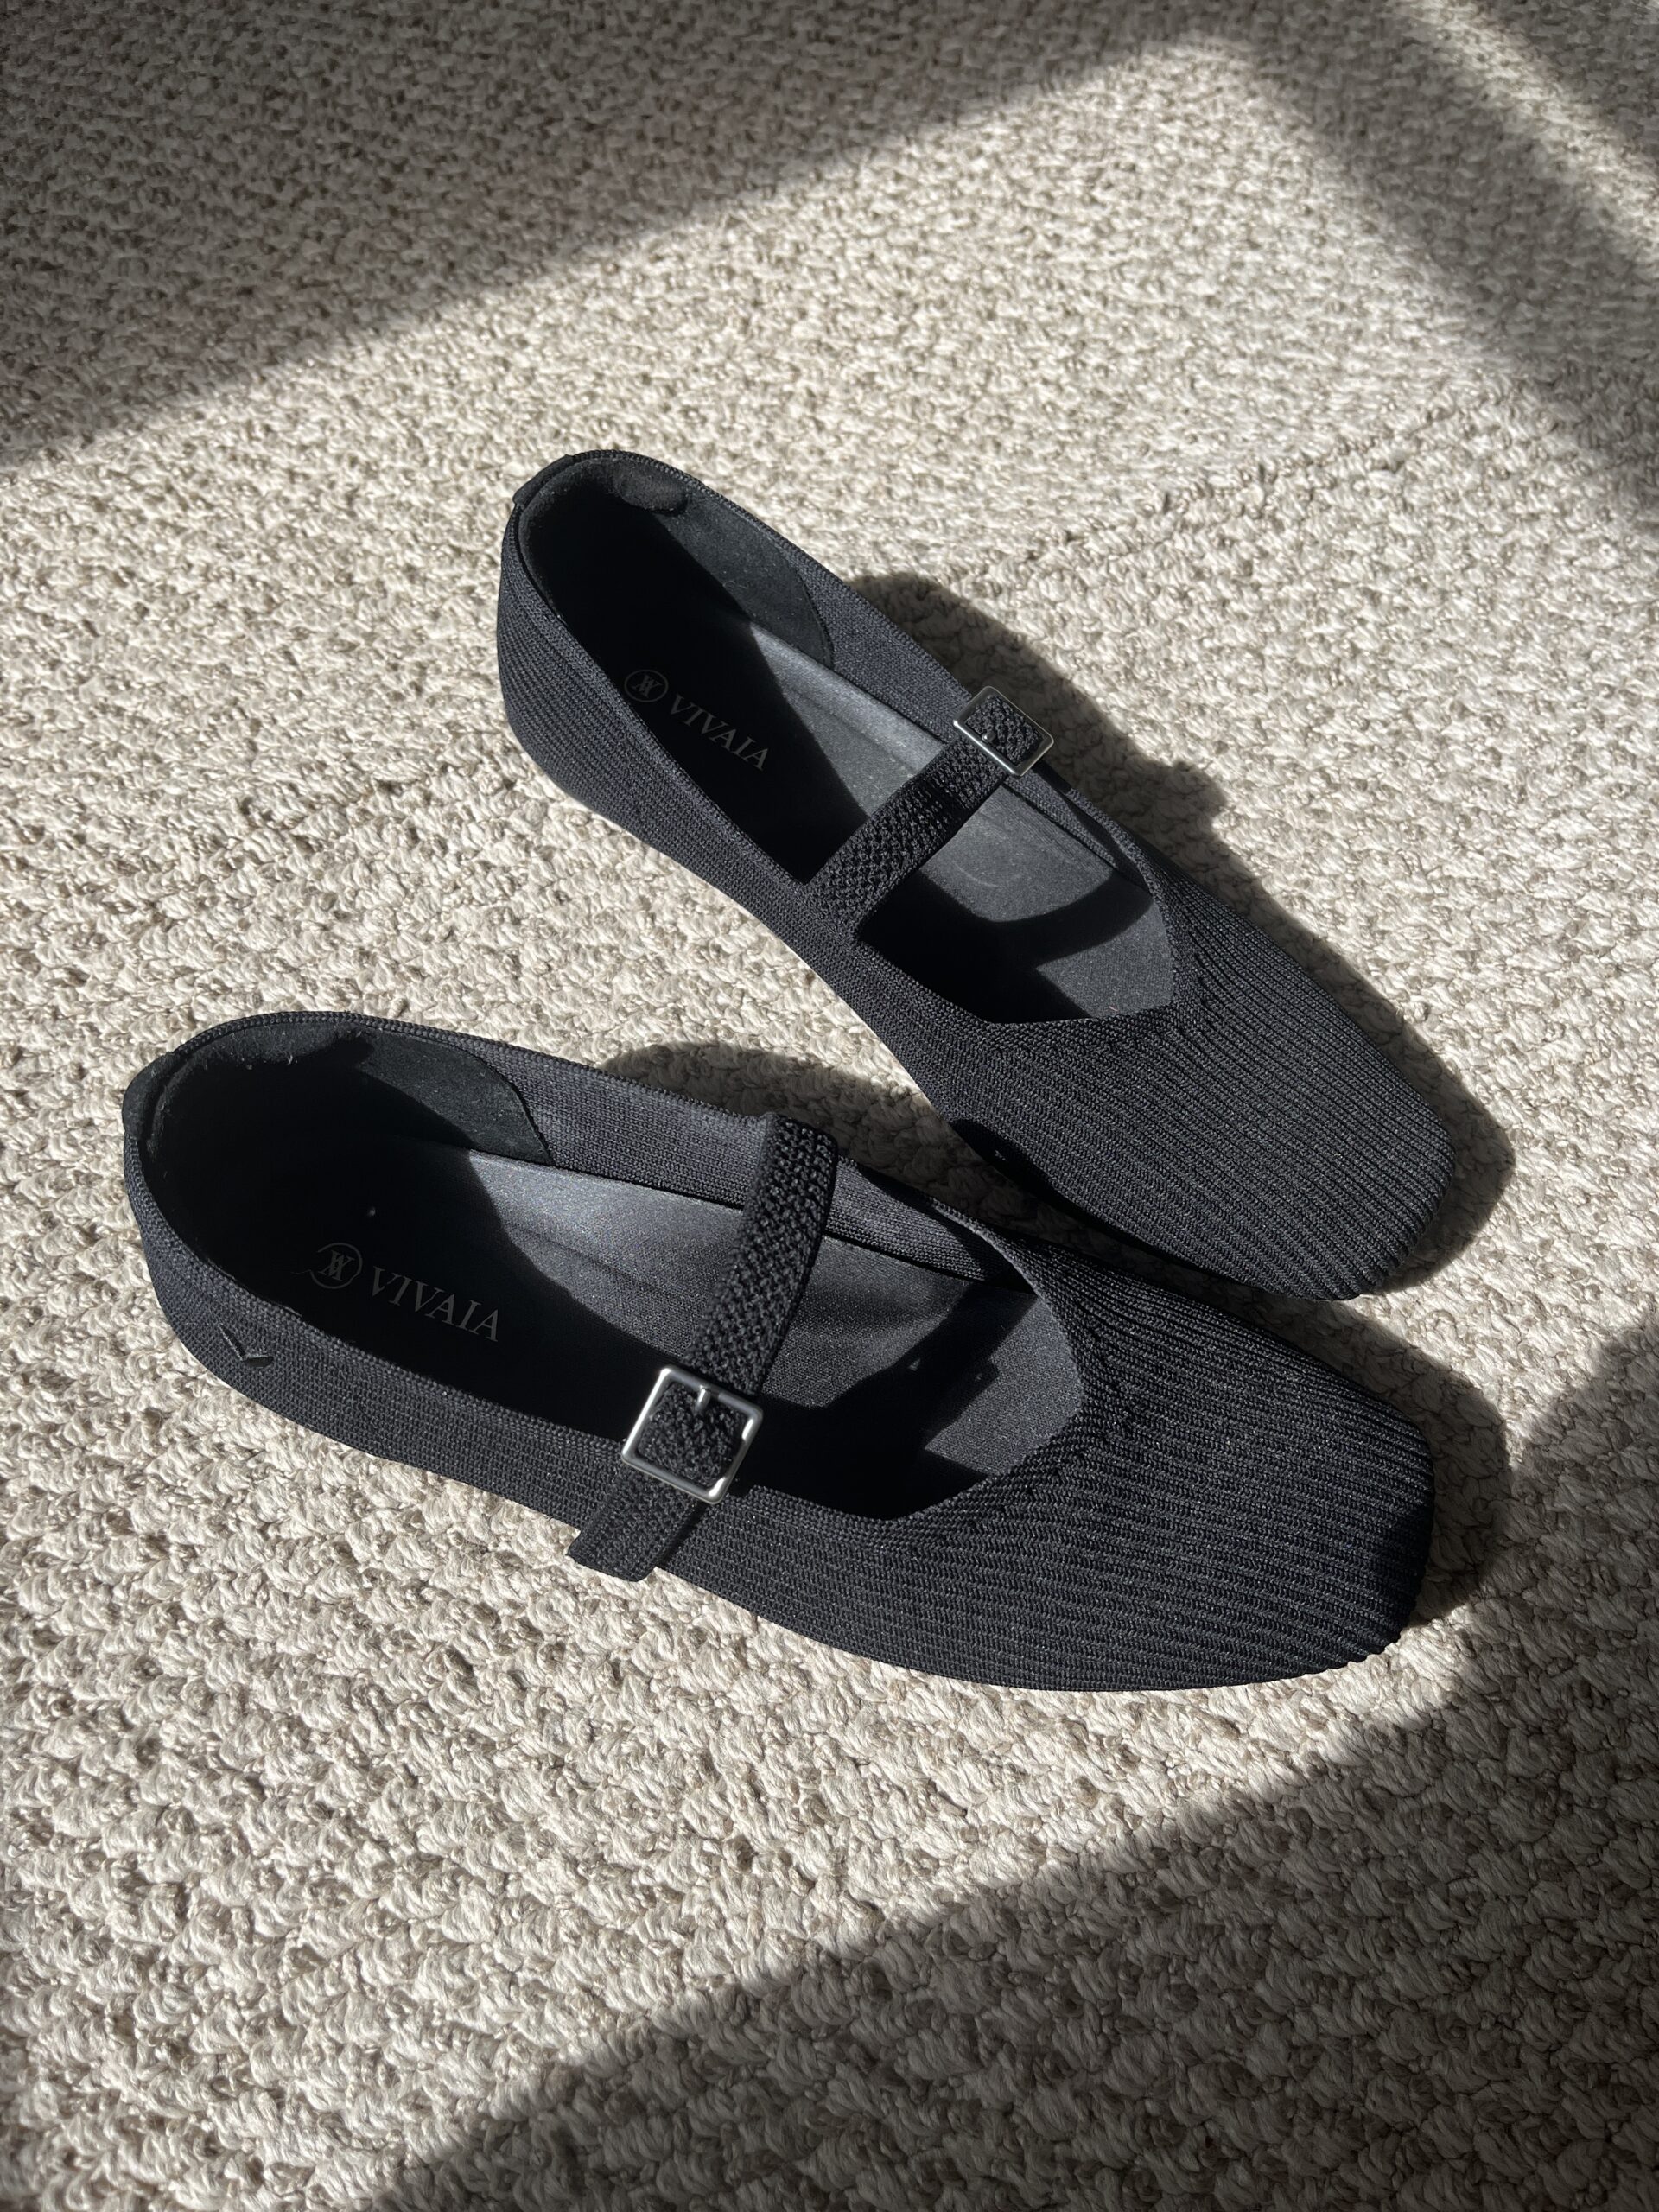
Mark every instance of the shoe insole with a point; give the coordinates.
(563, 1294)
(1016, 919)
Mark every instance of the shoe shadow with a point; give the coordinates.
(1175, 805)
(897, 1133)
(1399, 1978)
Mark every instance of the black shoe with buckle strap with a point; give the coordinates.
(1080, 1009)
(712, 1346)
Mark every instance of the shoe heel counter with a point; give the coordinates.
(563, 720)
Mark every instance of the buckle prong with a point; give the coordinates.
(702, 1390)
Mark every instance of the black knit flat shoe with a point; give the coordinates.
(707, 1341)
(1081, 1010)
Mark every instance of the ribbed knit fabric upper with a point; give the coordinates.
(1217, 1507)
(1249, 1126)
(1246, 1126)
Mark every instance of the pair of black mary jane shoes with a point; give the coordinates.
(712, 1344)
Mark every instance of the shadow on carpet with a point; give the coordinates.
(202, 190)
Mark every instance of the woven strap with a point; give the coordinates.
(994, 741)
(692, 1431)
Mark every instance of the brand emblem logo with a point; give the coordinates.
(645, 683)
(336, 1265)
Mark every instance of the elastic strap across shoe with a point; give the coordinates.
(698, 1421)
(994, 741)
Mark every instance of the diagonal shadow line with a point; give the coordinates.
(1552, 279)
(1607, 55)
(206, 190)
(1364, 1990)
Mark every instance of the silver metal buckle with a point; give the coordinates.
(702, 1392)
(1008, 768)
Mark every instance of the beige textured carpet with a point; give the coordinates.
(1266, 397)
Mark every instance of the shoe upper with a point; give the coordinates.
(1156, 1496)
(1234, 1117)
(1249, 1127)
